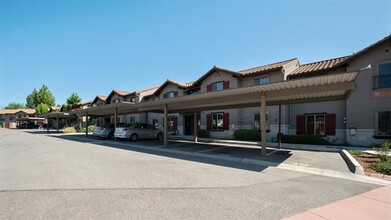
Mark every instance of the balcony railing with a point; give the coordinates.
(381, 82)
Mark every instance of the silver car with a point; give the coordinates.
(137, 131)
(106, 130)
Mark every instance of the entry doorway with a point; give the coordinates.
(189, 124)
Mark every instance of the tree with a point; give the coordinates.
(14, 105)
(73, 101)
(46, 97)
(42, 96)
(41, 109)
(32, 99)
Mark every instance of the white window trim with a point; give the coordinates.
(217, 87)
(315, 116)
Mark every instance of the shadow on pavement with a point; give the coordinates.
(228, 156)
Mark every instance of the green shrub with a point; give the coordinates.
(203, 133)
(355, 152)
(304, 139)
(247, 135)
(69, 130)
(383, 167)
(383, 151)
(91, 128)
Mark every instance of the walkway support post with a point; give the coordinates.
(279, 127)
(47, 124)
(57, 121)
(86, 123)
(146, 117)
(263, 124)
(115, 121)
(165, 125)
(195, 128)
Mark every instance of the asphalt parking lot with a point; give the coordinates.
(76, 177)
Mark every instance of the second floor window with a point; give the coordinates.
(170, 95)
(115, 100)
(133, 99)
(217, 86)
(262, 80)
(383, 76)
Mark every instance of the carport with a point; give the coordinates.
(312, 89)
(29, 119)
(57, 115)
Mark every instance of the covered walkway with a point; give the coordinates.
(312, 89)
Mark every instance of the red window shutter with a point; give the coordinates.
(331, 123)
(226, 121)
(209, 88)
(164, 95)
(300, 124)
(226, 85)
(175, 93)
(175, 122)
(209, 121)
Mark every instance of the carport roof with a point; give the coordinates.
(311, 89)
(56, 114)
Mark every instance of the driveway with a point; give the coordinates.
(62, 176)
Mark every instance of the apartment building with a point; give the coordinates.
(361, 117)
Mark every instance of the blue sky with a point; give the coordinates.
(93, 46)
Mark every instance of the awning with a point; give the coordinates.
(313, 89)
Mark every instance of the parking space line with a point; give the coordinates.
(271, 153)
(202, 151)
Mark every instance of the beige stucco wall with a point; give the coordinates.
(275, 76)
(170, 88)
(116, 96)
(219, 76)
(363, 105)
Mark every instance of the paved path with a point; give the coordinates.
(375, 204)
(50, 177)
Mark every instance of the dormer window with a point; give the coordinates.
(217, 86)
(171, 94)
(133, 99)
(262, 80)
(117, 100)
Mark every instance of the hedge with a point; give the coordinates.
(203, 133)
(247, 135)
(304, 139)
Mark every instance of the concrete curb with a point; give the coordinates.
(352, 163)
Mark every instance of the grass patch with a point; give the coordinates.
(355, 152)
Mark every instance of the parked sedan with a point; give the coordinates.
(106, 130)
(137, 131)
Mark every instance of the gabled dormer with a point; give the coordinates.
(169, 89)
(274, 72)
(99, 100)
(217, 79)
(117, 96)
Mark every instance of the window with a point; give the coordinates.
(117, 100)
(217, 121)
(132, 119)
(133, 99)
(257, 120)
(217, 86)
(315, 124)
(384, 123)
(262, 80)
(383, 78)
(170, 95)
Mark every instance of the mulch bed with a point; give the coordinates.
(366, 160)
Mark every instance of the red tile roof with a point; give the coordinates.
(169, 81)
(121, 92)
(318, 67)
(29, 111)
(266, 68)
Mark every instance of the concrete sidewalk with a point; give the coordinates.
(309, 147)
(375, 204)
